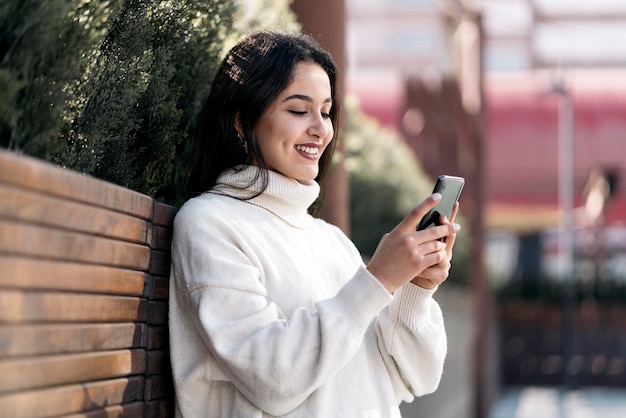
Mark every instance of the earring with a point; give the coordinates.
(244, 144)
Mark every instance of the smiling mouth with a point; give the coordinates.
(308, 150)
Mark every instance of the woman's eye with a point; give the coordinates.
(304, 112)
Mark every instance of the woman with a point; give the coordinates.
(272, 311)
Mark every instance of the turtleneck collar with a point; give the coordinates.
(287, 198)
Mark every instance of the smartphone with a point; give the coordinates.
(450, 188)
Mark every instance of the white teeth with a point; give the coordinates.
(308, 150)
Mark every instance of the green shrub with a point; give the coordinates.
(113, 88)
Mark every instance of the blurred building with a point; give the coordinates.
(400, 51)
(492, 90)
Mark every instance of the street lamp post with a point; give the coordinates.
(566, 233)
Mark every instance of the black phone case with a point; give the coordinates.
(450, 188)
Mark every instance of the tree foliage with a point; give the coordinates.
(112, 88)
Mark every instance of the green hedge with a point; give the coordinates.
(113, 88)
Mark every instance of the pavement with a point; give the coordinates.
(542, 402)
(454, 397)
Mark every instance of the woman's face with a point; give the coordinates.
(295, 130)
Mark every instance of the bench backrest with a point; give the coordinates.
(84, 268)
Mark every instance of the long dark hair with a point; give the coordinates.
(251, 76)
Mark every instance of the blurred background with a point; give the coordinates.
(526, 99)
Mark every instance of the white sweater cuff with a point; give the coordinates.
(360, 300)
(413, 306)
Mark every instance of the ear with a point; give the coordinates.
(237, 124)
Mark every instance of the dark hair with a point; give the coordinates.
(251, 76)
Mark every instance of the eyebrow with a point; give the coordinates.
(305, 98)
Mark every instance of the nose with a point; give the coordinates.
(320, 126)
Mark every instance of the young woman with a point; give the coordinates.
(272, 311)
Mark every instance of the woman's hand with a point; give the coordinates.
(437, 274)
(404, 254)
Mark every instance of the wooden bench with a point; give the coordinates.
(84, 268)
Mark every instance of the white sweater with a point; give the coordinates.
(272, 312)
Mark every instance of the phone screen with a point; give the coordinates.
(450, 188)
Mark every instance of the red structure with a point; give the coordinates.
(521, 140)
(522, 150)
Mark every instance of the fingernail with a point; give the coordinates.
(445, 218)
(436, 196)
(456, 227)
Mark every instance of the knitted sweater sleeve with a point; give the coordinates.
(274, 361)
(413, 342)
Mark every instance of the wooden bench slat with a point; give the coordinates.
(29, 240)
(30, 340)
(19, 306)
(163, 214)
(38, 274)
(157, 288)
(31, 207)
(157, 338)
(131, 410)
(46, 371)
(157, 312)
(156, 387)
(160, 238)
(72, 398)
(160, 262)
(33, 174)
(157, 362)
(158, 408)
(161, 288)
